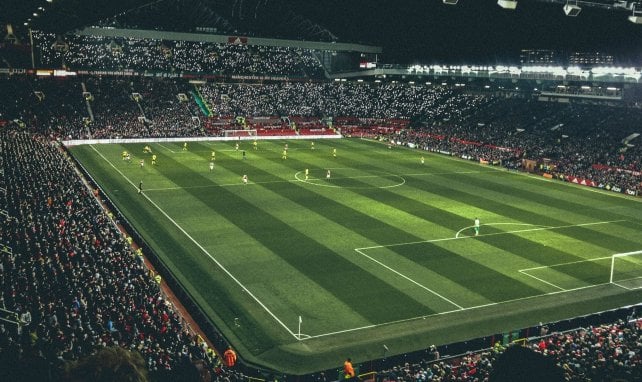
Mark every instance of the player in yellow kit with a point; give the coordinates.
(154, 160)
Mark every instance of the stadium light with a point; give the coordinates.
(571, 10)
(636, 17)
(507, 4)
(451, 2)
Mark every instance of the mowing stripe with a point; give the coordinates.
(219, 185)
(460, 308)
(201, 248)
(411, 280)
(492, 234)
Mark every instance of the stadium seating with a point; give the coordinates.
(104, 53)
(71, 278)
(56, 282)
(609, 352)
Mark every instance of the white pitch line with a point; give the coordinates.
(447, 173)
(411, 280)
(302, 180)
(403, 181)
(492, 224)
(165, 147)
(629, 279)
(358, 250)
(623, 287)
(542, 280)
(201, 248)
(454, 311)
(493, 234)
(569, 263)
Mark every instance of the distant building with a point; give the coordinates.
(590, 59)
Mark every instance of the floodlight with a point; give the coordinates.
(507, 4)
(636, 19)
(572, 10)
(451, 2)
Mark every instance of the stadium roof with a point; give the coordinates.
(410, 31)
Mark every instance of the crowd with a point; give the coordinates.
(70, 282)
(120, 107)
(106, 53)
(568, 140)
(382, 100)
(574, 141)
(609, 352)
(77, 286)
(141, 107)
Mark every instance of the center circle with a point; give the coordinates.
(350, 178)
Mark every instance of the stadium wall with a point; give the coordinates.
(75, 142)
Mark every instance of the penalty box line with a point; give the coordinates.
(362, 250)
(411, 280)
(525, 271)
(490, 234)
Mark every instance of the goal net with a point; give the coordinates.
(626, 270)
(240, 133)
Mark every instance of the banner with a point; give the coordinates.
(618, 169)
(583, 182)
(237, 40)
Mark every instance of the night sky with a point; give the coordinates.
(477, 31)
(410, 31)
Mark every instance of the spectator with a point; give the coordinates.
(230, 357)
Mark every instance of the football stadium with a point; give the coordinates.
(254, 190)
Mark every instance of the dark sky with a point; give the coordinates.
(477, 31)
(410, 31)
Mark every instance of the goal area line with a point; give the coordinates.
(611, 271)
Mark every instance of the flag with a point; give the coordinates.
(300, 320)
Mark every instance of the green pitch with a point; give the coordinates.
(381, 252)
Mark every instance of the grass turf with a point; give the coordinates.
(382, 252)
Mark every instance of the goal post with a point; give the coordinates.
(626, 267)
(240, 133)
